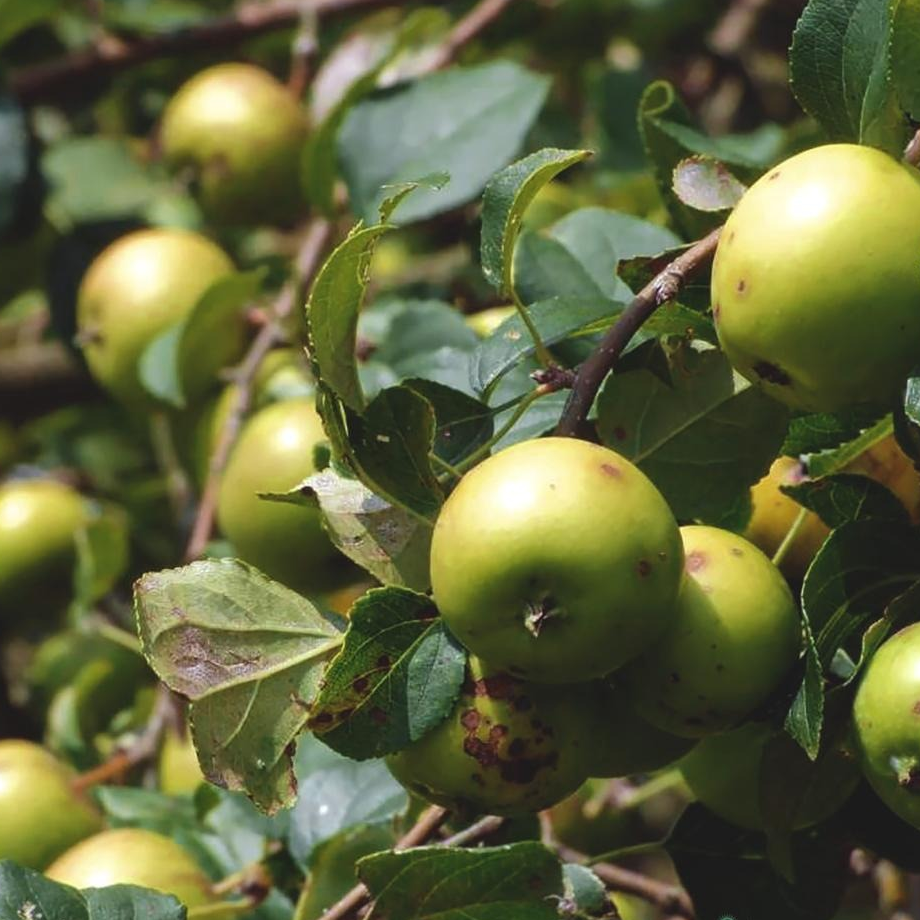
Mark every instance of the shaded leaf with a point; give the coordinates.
(397, 676)
(812, 433)
(461, 423)
(847, 497)
(18, 15)
(249, 654)
(14, 153)
(905, 54)
(468, 122)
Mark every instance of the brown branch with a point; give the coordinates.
(912, 151)
(466, 29)
(314, 244)
(669, 899)
(53, 79)
(145, 746)
(423, 830)
(662, 288)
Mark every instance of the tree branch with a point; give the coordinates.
(662, 288)
(670, 899)
(466, 29)
(66, 76)
(311, 251)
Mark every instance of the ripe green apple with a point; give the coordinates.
(38, 520)
(132, 856)
(723, 772)
(556, 560)
(816, 281)
(42, 814)
(137, 288)
(622, 742)
(735, 634)
(275, 453)
(178, 769)
(242, 132)
(508, 747)
(886, 713)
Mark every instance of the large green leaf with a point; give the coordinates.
(905, 54)
(249, 653)
(468, 122)
(703, 440)
(839, 68)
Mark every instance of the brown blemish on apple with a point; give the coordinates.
(612, 470)
(737, 551)
(470, 720)
(773, 176)
(741, 287)
(696, 561)
(772, 374)
(916, 708)
(644, 568)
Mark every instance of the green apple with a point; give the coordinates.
(556, 560)
(137, 288)
(622, 742)
(132, 856)
(508, 747)
(42, 814)
(38, 521)
(885, 717)
(816, 280)
(274, 454)
(179, 772)
(735, 634)
(723, 772)
(242, 133)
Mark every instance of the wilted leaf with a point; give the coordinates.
(705, 184)
(249, 653)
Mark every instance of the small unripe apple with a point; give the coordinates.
(42, 814)
(816, 280)
(723, 772)
(274, 454)
(242, 133)
(886, 713)
(38, 522)
(137, 288)
(508, 747)
(132, 856)
(178, 769)
(735, 634)
(557, 560)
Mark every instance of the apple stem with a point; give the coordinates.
(662, 288)
(783, 549)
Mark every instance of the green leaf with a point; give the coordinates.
(336, 794)
(905, 54)
(389, 449)
(152, 16)
(847, 497)
(361, 59)
(705, 184)
(556, 319)
(579, 254)
(103, 553)
(704, 440)
(587, 892)
(125, 806)
(384, 539)
(14, 155)
(249, 654)
(812, 433)
(332, 314)
(839, 69)
(836, 459)
(27, 895)
(18, 15)
(461, 423)
(504, 202)
(516, 882)
(171, 366)
(727, 873)
(397, 676)
(468, 122)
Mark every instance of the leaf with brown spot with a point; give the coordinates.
(705, 184)
(249, 654)
(396, 677)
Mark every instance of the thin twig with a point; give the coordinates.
(308, 259)
(303, 53)
(670, 899)
(662, 288)
(144, 747)
(420, 832)
(477, 20)
(62, 77)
